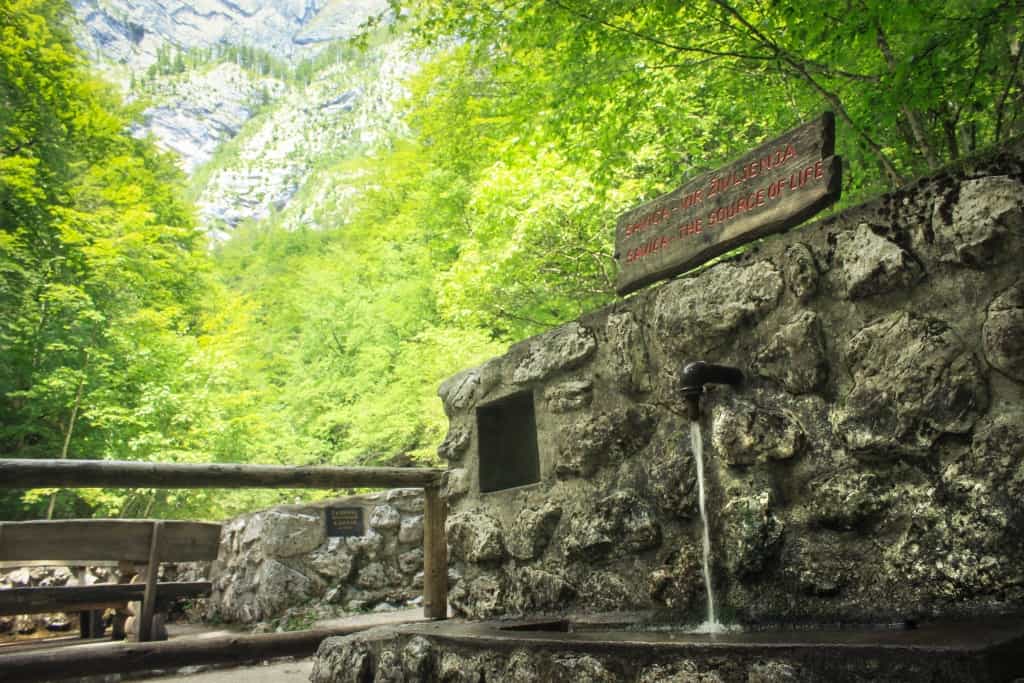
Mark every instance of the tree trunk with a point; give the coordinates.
(71, 427)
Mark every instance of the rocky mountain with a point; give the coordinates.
(254, 97)
(131, 32)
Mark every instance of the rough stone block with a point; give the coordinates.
(569, 396)
(986, 212)
(795, 355)
(1003, 332)
(411, 530)
(563, 348)
(287, 534)
(385, 517)
(913, 380)
(868, 264)
(753, 534)
(692, 316)
(475, 536)
(743, 434)
(532, 531)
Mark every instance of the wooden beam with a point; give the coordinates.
(75, 598)
(435, 555)
(88, 541)
(74, 662)
(17, 474)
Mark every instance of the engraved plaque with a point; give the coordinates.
(344, 521)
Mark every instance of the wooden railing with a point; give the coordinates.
(17, 474)
(113, 474)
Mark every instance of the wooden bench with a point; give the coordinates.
(124, 542)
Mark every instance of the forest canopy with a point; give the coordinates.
(488, 218)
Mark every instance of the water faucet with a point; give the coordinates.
(697, 374)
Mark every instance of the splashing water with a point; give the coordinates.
(696, 440)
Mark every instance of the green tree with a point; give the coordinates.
(100, 265)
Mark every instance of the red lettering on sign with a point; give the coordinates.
(693, 199)
(692, 228)
(750, 170)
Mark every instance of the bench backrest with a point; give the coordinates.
(95, 541)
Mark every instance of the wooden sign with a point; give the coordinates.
(344, 521)
(773, 188)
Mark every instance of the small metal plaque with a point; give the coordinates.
(344, 521)
(778, 185)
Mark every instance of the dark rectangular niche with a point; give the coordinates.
(507, 432)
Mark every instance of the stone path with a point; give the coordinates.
(284, 671)
(288, 671)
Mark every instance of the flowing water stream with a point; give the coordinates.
(696, 440)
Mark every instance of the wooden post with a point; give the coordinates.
(435, 555)
(149, 596)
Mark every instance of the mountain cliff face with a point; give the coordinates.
(252, 96)
(132, 31)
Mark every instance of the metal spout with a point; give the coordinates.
(697, 374)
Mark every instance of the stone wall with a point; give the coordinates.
(281, 558)
(871, 468)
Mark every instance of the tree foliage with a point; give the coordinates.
(630, 88)
(100, 265)
(530, 127)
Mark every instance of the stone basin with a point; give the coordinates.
(601, 649)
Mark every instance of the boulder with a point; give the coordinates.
(343, 659)
(676, 582)
(334, 561)
(460, 391)
(481, 596)
(683, 671)
(581, 668)
(406, 501)
(846, 500)
(672, 478)
(607, 591)
(418, 660)
(411, 562)
(534, 590)
(456, 483)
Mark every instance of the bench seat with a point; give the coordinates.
(129, 542)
